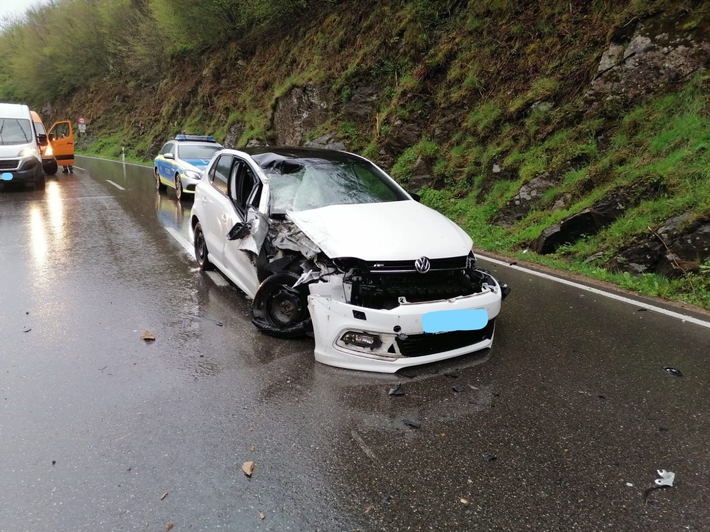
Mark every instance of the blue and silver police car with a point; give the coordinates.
(181, 162)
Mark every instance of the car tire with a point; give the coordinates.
(201, 253)
(50, 167)
(178, 188)
(160, 187)
(279, 309)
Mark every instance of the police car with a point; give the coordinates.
(181, 161)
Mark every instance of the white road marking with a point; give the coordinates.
(180, 240)
(610, 295)
(115, 161)
(215, 276)
(119, 187)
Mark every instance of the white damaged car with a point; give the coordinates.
(327, 244)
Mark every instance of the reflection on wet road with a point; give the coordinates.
(561, 426)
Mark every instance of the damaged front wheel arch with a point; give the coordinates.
(279, 309)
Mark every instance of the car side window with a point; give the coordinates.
(242, 187)
(220, 177)
(167, 148)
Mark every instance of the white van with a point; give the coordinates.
(20, 155)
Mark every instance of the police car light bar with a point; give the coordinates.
(206, 138)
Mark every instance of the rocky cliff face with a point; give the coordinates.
(641, 59)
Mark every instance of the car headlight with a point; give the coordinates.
(192, 174)
(29, 152)
(48, 151)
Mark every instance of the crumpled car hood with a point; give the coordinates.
(398, 230)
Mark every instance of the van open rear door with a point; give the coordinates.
(62, 138)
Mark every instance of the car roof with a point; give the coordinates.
(269, 156)
(14, 110)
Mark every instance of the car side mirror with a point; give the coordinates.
(415, 196)
(239, 231)
(169, 156)
(42, 139)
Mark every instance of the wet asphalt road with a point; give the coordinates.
(561, 426)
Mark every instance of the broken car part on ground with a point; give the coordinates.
(325, 242)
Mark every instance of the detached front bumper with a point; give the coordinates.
(397, 337)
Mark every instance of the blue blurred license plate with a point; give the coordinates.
(6, 176)
(454, 320)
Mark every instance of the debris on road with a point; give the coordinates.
(26, 330)
(465, 502)
(169, 526)
(396, 390)
(673, 372)
(412, 423)
(248, 468)
(667, 478)
(665, 482)
(262, 515)
(489, 457)
(458, 388)
(196, 317)
(148, 337)
(162, 497)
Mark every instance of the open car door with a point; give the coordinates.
(61, 135)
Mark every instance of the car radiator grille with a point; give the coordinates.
(9, 164)
(419, 345)
(374, 290)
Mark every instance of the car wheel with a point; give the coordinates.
(160, 187)
(279, 309)
(178, 187)
(50, 167)
(201, 253)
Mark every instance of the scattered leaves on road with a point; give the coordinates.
(248, 468)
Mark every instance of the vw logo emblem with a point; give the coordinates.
(422, 264)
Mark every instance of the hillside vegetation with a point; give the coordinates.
(575, 134)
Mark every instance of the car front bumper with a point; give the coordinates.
(26, 170)
(400, 338)
(188, 184)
